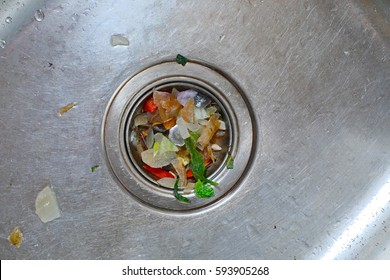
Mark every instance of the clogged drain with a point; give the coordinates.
(179, 136)
(134, 142)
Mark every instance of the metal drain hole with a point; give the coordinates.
(126, 103)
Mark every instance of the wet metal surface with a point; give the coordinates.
(315, 72)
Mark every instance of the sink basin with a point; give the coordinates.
(315, 75)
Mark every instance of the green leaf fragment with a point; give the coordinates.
(203, 190)
(93, 168)
(181, 59)
(230, 161)
(176, 192)
(197, 161)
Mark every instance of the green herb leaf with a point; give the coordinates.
(197, 161)
(181, 59)
(93, 168)
(230, 161)
(202, 186)
(176, 192)
(203, 190)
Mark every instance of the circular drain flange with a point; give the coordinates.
(124, 105)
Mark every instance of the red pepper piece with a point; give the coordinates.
(158, 172)
(189, 173)
(149, 105)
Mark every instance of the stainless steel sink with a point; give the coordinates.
(315, 73)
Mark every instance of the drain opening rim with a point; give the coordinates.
(132, 89)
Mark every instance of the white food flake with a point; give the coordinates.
(46, 206)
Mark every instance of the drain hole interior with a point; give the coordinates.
(127, 157)
(137, 137)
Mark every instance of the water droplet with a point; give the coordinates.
(39, 15)
(3, 43)
(75, 17)
(8, 19)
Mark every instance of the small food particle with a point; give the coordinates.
(197, 160)
(203, 190)
(176, 192)
(149, 105)
(209, 131)
(119, 40)
(46, 206)
(188, 110)
(66, 108)
(93, 168)
(181, 59)
(141, 119)
(157, 160)
(158, 172)
(16, 237)
(216, 147)
(166, 182)
(230, 161)
(184, 96)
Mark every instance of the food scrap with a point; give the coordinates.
(66, 108)
(230, 161)
(177, 194)
(16, 237)
(182, 60)
(46, 206)
(93, 168)
(175, 134)
(119, 40)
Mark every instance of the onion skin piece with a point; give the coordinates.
(209, 131)
(159, 160)
(167, 182)
(46, 205)
(186, 95)
(178, 164)
(167, 105)
(188, 112)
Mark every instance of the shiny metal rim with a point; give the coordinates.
(120, 111)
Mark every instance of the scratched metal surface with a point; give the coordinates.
(316, 72)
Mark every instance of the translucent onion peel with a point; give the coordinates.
(178, 164)
(187, 113)
(119, 40)
(167, 104)
(159, 160)
(186, 95)
(46, 206)
(141, 119)
(209, 131)
(167, 182)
